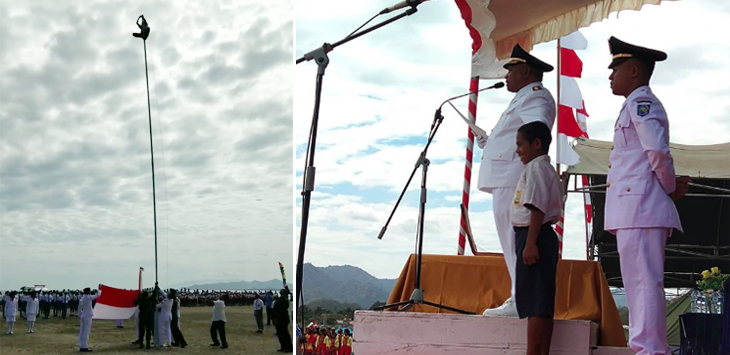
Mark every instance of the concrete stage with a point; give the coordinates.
(453, 334)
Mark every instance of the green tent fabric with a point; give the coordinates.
(676, 307)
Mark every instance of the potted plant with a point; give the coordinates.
(708, 297)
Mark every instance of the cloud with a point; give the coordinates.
(75, 170)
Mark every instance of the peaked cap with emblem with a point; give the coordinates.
(520, 55)
(622, 51)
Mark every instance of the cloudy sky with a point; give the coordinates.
(380, 92)
(75, 175)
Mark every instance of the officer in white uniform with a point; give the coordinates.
(31, 311)
(86, 311)
(165, 319)
(641, 184)
(500, 167)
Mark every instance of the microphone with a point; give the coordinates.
(495, 86)
(402, 4)
(437, 114)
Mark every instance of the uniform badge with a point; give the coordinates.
(536, 88)
(518, 197)
(643, 109)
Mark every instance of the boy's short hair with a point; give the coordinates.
(535, 130)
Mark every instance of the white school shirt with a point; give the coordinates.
(219, 310)
(538, 186)
(32, 307)
(258, 304)
(11, 306)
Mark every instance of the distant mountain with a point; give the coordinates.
(272, 284)
(345, 284)
(198, 282)
(332, 305)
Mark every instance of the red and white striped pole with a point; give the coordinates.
(473, 88)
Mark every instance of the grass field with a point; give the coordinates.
(60, 336)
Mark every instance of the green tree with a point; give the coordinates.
(377, 304)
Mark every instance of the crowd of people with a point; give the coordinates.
(157, 313)
(326, 341)
(53, 303)
(205, 298)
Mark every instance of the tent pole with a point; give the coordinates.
(473, 97)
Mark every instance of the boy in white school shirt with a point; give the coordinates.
(537, 205)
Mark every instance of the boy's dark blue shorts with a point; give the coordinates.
(535, 284)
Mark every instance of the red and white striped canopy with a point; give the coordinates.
(497, 25)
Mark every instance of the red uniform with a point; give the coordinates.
(346, 345)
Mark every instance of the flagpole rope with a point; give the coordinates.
(164, 174)
(559, 226)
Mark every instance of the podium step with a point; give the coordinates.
(454, 334)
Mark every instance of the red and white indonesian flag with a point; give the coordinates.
(115, 303)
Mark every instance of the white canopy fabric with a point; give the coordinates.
(696, 161)
(497, 25)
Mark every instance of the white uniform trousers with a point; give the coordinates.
(136, 325)
(502, 198)
(165, 330)
(157, 332)
(84, 332)
(641, 253)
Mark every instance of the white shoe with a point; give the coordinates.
(507, 309)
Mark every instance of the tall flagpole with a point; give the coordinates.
(144, 33)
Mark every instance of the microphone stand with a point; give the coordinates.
(423, 162)
(320, 57)
(417, 295)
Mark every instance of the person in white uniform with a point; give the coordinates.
(165, 319)
(158, 328)
(218, 327)
(136, 325)
(11, 310)
(258, 313)
(500, 167)
(86, 313)
(31, 311)
(641, 185)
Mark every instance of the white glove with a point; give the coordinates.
(481, 142)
